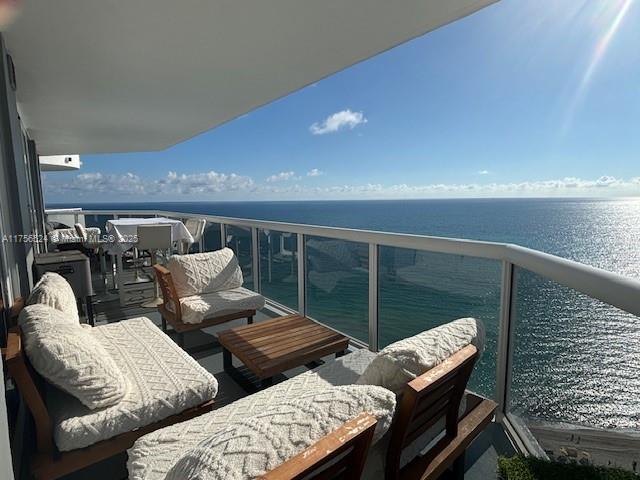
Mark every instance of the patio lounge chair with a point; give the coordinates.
(432, 411)
(204, 289)
(70, 434)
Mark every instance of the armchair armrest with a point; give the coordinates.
(342, 453)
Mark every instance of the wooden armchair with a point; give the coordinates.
(428, 399)
(48, 462)
(171, 312)
(341, 454)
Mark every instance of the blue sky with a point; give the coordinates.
(524, 98)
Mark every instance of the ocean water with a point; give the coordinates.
(576, 360)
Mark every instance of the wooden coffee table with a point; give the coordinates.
(271, 347)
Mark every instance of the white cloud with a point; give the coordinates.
(337, 121)
(202, 183)
(281, 177)
(215, 185)
(483, 172)
(111, 187)
(569, 186)
(106, 183)
(314, 172)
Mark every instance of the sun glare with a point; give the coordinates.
(612, 14)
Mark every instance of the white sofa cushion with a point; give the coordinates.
(152, 456)
(250, 447)
(68, 356)
(162, 380)
(402, 361)
(53, 290)
(198, 273)
(207, 305)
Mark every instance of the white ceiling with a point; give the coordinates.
(136, 75)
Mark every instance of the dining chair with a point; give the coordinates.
(154, 238)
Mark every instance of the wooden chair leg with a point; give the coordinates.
(164, 324)
(250, 320)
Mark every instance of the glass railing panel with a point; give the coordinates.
(575, 374)
(337, 284)
(99, 221)
(279, 267)
(212, 240)
(421, 290)
(238, 239)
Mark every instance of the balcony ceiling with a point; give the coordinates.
(138, 75)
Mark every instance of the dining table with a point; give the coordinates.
(122, 235)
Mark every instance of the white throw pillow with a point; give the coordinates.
(399, 363)
(250, 447)
(69, 357)
(208, 272)
(53, 290)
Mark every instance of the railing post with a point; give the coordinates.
(255, 260)
(223, 236)
(505, 337)
(373, 297)
(302, 275)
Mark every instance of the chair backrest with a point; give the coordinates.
(195, 226)
(341, 454)
(428, 399)
(171, 300)
(154, 237)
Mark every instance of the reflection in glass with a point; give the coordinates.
(279, 267)
(212, 238)
(238, 239)
(338, 284)
(422, 290)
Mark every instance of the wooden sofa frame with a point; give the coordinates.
(171, 312)
(430, 398)
(48, 463)
(340, 454)
(434, 396)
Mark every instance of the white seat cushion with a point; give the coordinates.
(402, 361)
(208, 305)
(248, 448)
(53, 290)
(199, 273)
(162, 380)
(68, 356)
(153, 455)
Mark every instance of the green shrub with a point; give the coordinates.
(531, 468)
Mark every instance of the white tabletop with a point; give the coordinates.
(123, 232)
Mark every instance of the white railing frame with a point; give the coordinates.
(608, 287)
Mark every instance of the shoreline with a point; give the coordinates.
(583, 444)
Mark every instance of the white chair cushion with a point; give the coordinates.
(250, 447)
(68, 356)
(208, 305)
(152, 456)
(162, 380)
(198, 273)
(53, 290)
(402, 361)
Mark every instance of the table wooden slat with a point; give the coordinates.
(273, 346)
